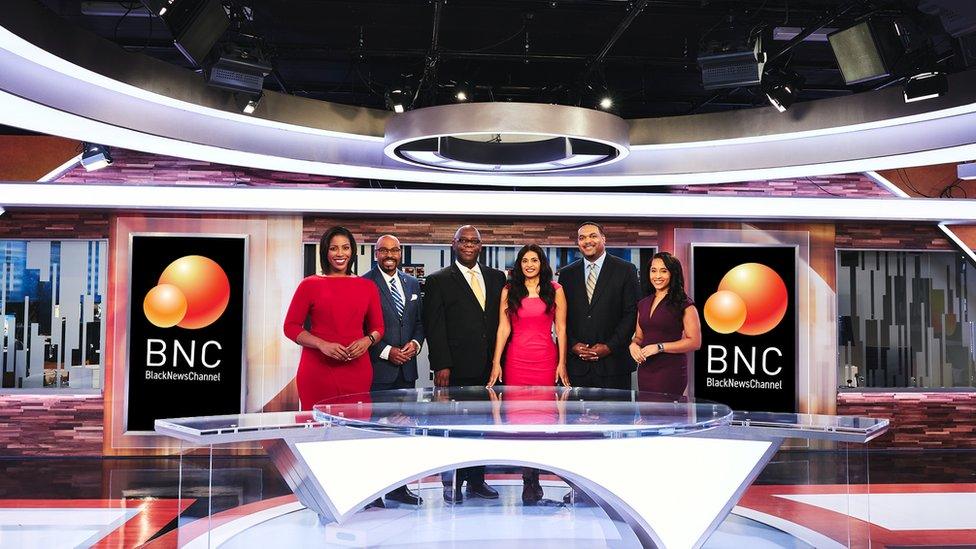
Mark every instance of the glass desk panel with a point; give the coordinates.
(522, 412)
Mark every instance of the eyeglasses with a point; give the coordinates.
(388, 251)
(468, 241)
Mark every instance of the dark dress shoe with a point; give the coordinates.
(481, 491)
(453, 497)
(530, 496)
(404, 495)
(378, 503)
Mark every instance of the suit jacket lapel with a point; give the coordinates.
(384, 289)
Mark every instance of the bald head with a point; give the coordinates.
(388, 253)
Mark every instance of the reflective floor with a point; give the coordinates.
(802, 499)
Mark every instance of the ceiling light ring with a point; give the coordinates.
(603, 136)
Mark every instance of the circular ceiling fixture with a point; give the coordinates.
(506, 138)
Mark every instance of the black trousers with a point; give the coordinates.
(398, 383)
(592, 379)
(475, 476)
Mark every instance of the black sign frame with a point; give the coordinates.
(174, 246)
(700, 291)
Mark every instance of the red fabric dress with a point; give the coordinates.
(532, 355)
(342, 309)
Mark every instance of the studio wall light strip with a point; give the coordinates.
(480, 203)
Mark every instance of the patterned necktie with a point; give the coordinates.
(590, 282)
(397, 300)
(476, 288)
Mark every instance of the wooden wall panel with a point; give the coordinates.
(54, 225)
(918, 420)
(50, 425)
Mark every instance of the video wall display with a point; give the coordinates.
(904, 319)
(186, 323)
(52, 300)
(747, 298)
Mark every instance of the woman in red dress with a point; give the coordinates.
(667, 329)
(531, 304)
(338, 304)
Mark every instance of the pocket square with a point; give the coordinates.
(413, 297)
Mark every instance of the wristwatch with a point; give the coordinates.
(660, 347)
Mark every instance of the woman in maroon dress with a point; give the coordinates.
(338, 304)
(667, 329)
(531, 304)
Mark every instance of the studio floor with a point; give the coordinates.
(802, 499)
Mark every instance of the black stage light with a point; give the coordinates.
(926, 85)
(867, 51)
(782, 89)
(732, 64)
(398, 99)
(238, 69)
(196, 25)
(95, 156)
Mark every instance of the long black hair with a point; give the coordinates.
(324, 248)
(516, 281)
(676, 297)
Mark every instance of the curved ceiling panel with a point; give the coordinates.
(59, 80)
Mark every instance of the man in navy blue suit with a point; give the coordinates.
(394, 357)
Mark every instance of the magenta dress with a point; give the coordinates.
(663, 372)
(532, 354)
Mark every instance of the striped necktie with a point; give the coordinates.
(590, 282)
(397, 300)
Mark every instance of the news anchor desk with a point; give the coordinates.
(670, 469)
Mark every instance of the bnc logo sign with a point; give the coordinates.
(751, 299)
(185, 349)
(748, 355)
(192, 293)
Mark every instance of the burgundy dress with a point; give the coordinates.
(532, 355)
(338, 307)
(664, 372)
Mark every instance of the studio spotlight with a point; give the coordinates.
(927, 85)
(462, 92)
(95, 156)
(248, 103)
(1, 210)
(606, 102)
(966, 171)
(398, 100)
(238, 69)
(783, 89)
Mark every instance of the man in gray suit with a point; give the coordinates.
(394, 357)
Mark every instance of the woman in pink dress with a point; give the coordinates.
(531, 304)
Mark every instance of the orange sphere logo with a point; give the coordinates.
(192, 293)
(751, 299)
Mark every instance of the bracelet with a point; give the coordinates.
(660, 347)
(372, 339)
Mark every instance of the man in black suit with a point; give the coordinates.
(394, 358)
(461, 318)
(601, 296)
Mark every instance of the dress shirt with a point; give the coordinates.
(385, 353)
(599, 266)
(467, 277)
